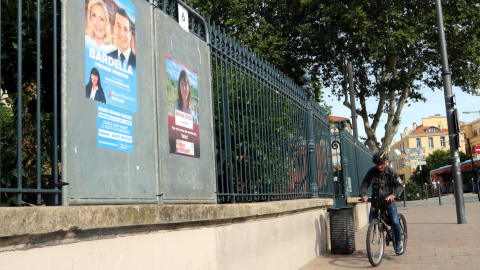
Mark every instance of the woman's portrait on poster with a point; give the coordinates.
(98, 33)
(93, 89)
(184, 95)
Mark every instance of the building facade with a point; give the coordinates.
(472, 133)
(431, 135)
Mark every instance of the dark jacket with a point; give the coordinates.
(382, 185)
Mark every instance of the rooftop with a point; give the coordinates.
(428, 130)
(338, 118)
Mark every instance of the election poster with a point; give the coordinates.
(110, 53)
(183, 119)
(115, 128)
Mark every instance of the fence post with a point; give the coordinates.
(344, 192)
(226, 130)
(439, 193)
(311, 156)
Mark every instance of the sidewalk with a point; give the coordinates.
(436, 240)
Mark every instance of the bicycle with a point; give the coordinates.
(380, 233)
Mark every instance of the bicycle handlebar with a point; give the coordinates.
(383, 204)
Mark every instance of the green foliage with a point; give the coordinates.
(413, 191)
(418, 176)
(437, 159)
(29, 96)
(270, 28)
(440, 158)
(393, 46)
(263, 127)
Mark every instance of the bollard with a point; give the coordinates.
(439, 193)
(426, 191)
(404, 196)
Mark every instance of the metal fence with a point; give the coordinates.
(355, 161)
(29, 105)
(261, 122)
(272, 140)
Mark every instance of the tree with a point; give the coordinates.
(393, 46)
(270, 28)
(440, 158)
(412, 190)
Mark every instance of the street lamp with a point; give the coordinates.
(451, 118)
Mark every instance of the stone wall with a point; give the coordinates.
(270, 235)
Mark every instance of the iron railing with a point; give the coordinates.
(260, 126)
(29, 103)
(261, 117)
(355, 160)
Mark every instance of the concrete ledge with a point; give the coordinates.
(353, 200)
(22, 221)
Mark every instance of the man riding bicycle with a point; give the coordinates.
(386, 185)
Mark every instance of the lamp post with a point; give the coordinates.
(453, 135)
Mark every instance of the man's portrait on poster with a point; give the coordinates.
(123, 37)
(110, 48)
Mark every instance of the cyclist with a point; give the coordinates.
(386, 185)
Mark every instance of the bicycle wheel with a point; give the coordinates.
(403, 225)
(375, 242)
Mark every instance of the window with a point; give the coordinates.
(475, 134)
(430, 142)
(419, 143)
(443, 144)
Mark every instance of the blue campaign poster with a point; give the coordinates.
(115, 128)
(110, 53)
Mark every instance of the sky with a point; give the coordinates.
(435, 104)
